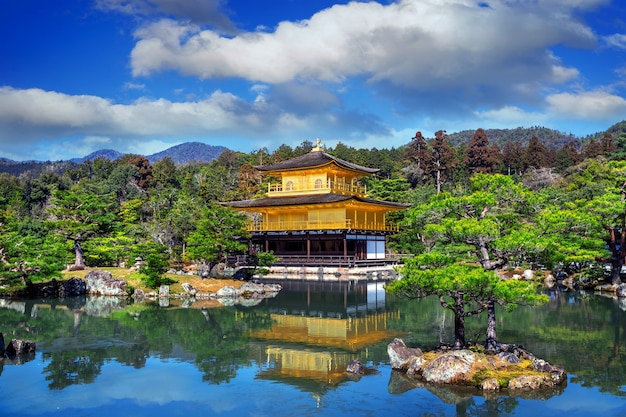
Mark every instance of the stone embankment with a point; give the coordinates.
(513, 368)
(102, 283)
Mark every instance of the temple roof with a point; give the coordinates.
(312, 159)
(309, 199)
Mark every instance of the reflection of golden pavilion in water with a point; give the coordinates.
(317, 345)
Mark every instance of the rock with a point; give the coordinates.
(227, 292)
(219, 270)
(72, 288)
(400, 355)
(490, 384)
(189, 289)
(272, 288)
(530, 382)
(415, 366)
(510, 357)
(621, 290)
(249, 288)
(528, 275)
(102, 283)
(355, 367)
(449, 367)
(20, 347)
(607, 288)
(557, 373)
(102, 306)
(139, 293)
(164, 291)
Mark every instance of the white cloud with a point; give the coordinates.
(422, 44)
(508, 116)
(82, 124)
(617, 40)
(587, 105)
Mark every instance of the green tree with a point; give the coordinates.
(459, 287)
(218, 232)
(79, 215)
(154, 266)
(28, 253)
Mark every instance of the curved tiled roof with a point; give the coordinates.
(314, 159)
(308, 199)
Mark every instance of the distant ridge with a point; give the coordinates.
(184, 153)
(549, 137)
(109, 154)
(189, 152)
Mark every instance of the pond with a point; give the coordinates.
(287, 356)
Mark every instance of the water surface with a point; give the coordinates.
(287, 356)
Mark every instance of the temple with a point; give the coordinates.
(318, 213)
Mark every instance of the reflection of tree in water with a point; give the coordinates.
(72, 367)
(217, 337)
(585, 335)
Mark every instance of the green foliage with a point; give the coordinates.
(218, 232)
(29, 253)
(155, 264)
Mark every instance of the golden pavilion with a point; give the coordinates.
(318, 213)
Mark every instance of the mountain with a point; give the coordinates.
(549, 137)
(189, 152)
(109, 154)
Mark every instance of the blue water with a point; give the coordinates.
(81, 370)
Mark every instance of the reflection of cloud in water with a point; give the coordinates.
(585, 402)
(159, 382)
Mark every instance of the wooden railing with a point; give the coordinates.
(320, 225)
(311, 188)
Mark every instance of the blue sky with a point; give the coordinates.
(143, 75)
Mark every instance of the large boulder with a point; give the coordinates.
(531, 382)
(102, 283)
(450, 367)
(73, 287)
(557, 373)
(20, 347)
(227, 292)
(400, 355)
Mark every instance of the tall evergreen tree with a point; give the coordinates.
(479, 156)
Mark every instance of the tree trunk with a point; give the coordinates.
(616, 268)
(459, 321)
(491, 344)
(78, 250)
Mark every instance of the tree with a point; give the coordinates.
(536, 153)
(597, 189)
(164, 174)
(567, 156)
(218, 232)
(513, 157)
(479, 156)
(79, 215)
(28, 253)
(442, 157)
(420, 159)
(494, 223)
(154, 266)
(457, 286)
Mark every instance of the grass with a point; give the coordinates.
(133, 278)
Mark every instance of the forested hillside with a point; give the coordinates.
(106, 212)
